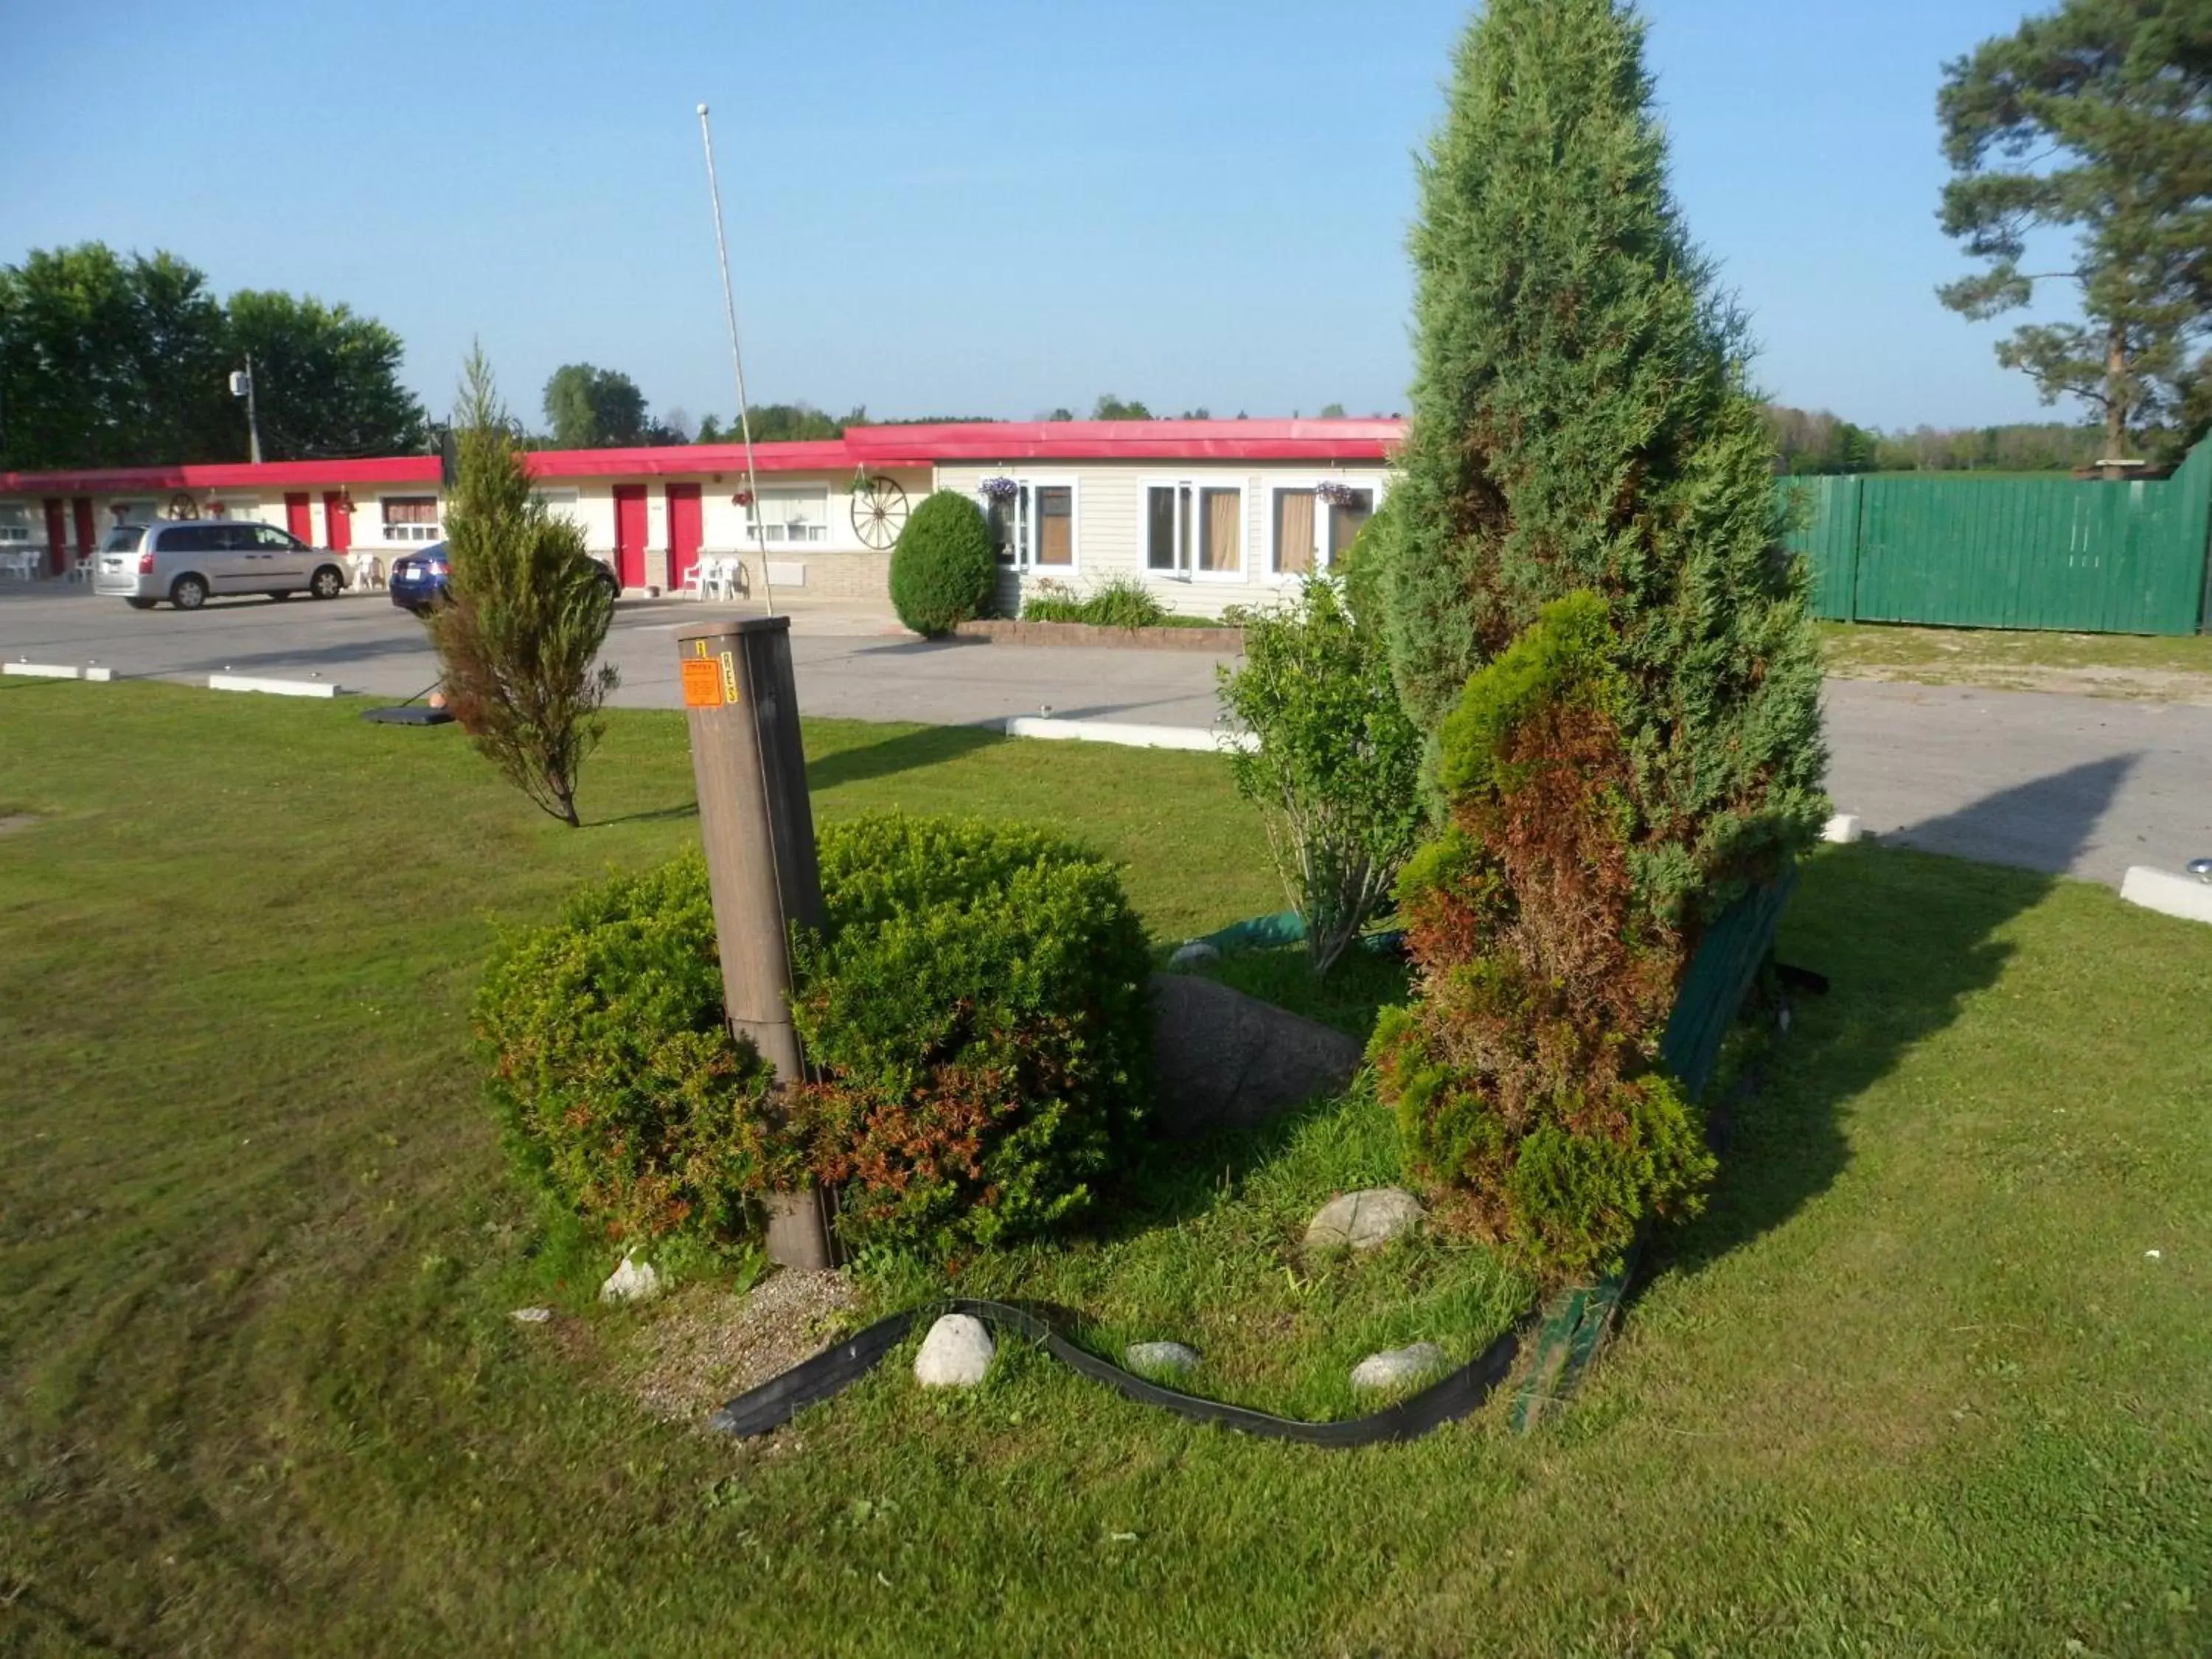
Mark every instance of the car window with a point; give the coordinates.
(268, 535)
(123, 538)
(233, 537)
(188, 538)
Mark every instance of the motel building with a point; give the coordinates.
(1204, 513)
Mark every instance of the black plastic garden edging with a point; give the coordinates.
(776, 1401)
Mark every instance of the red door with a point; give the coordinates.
(87, 534)
(300, 519)
(684, 533)
(338, 523)
(56, 538)
(629, 535)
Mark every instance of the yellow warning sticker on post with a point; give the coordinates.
(729, 676)
(703, 682)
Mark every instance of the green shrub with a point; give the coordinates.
(622, 1089)
(977, 1020)
(1525, 1077)
(1119, 601)
(943, 570)
(1336, 776)
(1049, 600)
(1123, 601)
(980, 1013)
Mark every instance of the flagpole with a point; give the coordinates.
(737, 362)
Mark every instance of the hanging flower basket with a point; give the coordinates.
(1000, 489)
(742, 498)
(1337, 494)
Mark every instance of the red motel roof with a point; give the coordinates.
(868, 447)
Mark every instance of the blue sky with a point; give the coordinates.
(960, 207)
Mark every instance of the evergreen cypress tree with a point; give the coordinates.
(1583, 434)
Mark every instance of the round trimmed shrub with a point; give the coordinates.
(981, 1012)
(977, 1020)
(623, 1092)
(943, 570)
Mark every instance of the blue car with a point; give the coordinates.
(418, 580)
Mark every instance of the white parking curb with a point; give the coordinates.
(276, 688)
(43, 671)
(1843, 829)
(1134, 737)
(2167, 893)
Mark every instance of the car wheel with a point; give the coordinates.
(328, 583)
(140, 604)
(188, 593)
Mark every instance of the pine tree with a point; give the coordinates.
(529, 612)
(2091, 121)
(1585, 453)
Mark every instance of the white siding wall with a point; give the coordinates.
(1110, 523)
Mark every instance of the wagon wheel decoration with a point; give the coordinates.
(182, 506)
(878, 511)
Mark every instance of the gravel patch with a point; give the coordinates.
(703, 1346)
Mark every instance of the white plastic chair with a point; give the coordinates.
(368, 571)
(80, 569)
(695, 579)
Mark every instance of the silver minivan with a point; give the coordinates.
(192, 561)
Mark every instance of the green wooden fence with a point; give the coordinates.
(2089, 557)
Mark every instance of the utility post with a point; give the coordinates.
(741, 704)
(241, 386)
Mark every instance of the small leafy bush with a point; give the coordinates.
(943, 570)
(1048, 599)
(977, 1022)
(1337, 773)
(1121, 601)
(1525, 1076)
(980, 1013)
(622, 1090)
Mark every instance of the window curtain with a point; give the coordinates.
(1223, 547)
(1055, 511)
(1294, 532)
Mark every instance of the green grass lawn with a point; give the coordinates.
(1913, 1384)
(2115, 665)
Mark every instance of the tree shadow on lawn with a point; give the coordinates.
(1904, 939)
(924, 746)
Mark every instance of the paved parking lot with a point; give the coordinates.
(2086, 785)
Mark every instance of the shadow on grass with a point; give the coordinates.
(924, 746)
(1904, 937)
(688, 809)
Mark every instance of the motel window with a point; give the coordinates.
(1312, 529)
(1194, 530)
(1033, 527)
(412, 519)
(560, 503)
(15, 523)
(792, 517)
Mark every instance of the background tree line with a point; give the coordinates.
(108, 360)
(1814, 440)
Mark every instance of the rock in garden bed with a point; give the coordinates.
(1227, 1061)
(1169, 1360)
(1365, 1220)
(1398, 1368)
(955, 1354)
